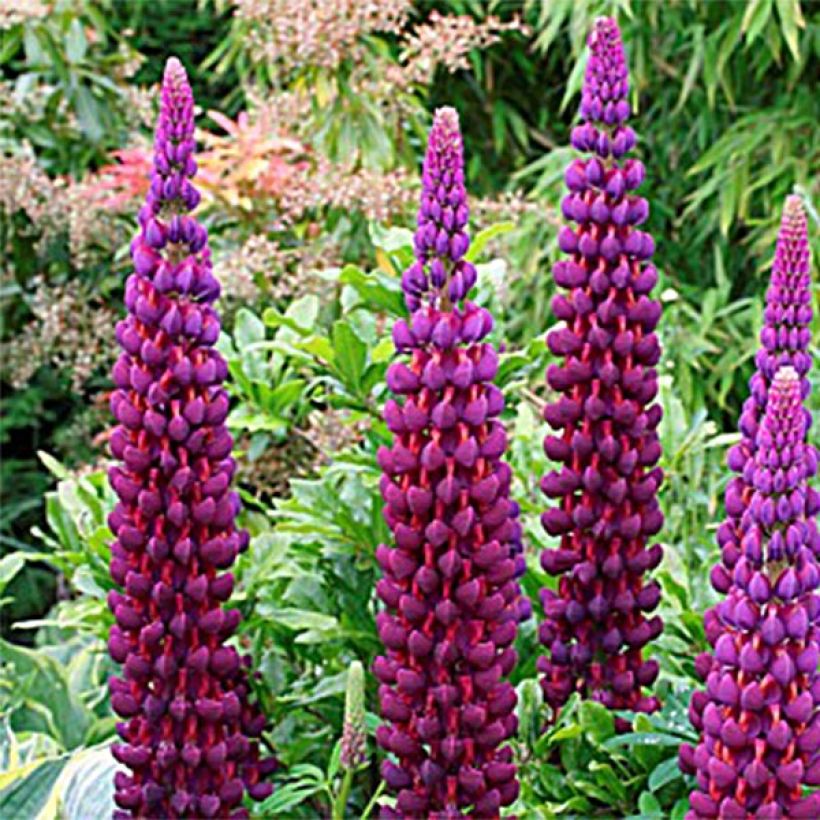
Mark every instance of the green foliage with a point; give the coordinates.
(64, 67)
(580, 766)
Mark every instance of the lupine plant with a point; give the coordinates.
(449, 582)
(761, 678)
(596, 624)
(758, 717)
(189, 731)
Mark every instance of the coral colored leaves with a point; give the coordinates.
(452, 602)
(596, 624)
(189, 732)
(758, 716)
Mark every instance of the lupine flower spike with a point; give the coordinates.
(758, 717)
(449, 586)
(189, 732)
(784, 340)
(596, 624)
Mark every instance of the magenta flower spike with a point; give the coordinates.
(785, 340)
(452, 602)
(758, 717)
(596, 624)
(189, 731)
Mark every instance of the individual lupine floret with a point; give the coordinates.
(449, 586)
(758, 717)
(189, 730)
(785, 340)
(596, 624)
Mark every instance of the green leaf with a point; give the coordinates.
(351, 355)
(649, 806)
(646, 738)
(791, 19)
(755, 19)
(10, 565)
(288, 797)
(390, 239)
(47, 686)
(76, 43)
(597, 721)
(89, 113)
(248, 328)
(52, 465)
(574, 81)
(320, 347)
(304, 311)
(297, 619)
(482, 238)
(27, 796)
(664, 773)
(378, 292)
(86, 787)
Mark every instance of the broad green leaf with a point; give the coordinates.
(596, 720)
(48, 687)
(248, 329)
(650, 807)
(350, 355)
(28, 790)
(304, 311)
(76, 43)
(86, 785)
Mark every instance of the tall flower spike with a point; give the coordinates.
(449, 586)
(189, 730)
(596, 624)
(784, 340)
(758, 717)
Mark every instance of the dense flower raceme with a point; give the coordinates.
(596, 623)
(784, 340)
(449, 585)
(759, 717)
(189, 731)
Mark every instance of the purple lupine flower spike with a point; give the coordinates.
(449, 586)
(785, 340)
(758, 717)
(596, 624)
(189, 730)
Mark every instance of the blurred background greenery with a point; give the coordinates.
(313, 119)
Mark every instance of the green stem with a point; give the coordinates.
(340, 803)
(369, 807)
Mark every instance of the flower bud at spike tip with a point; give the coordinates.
(762, 675)
(354, 732)
(183, 691)
(605, 495)
(450, 589)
